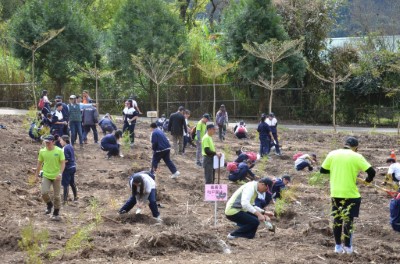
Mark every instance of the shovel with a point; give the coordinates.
(392, 194)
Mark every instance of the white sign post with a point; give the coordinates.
(152, 114)
(215, 193)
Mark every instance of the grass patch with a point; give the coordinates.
(33, 242)
(318, 179)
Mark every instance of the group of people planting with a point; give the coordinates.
(247, 206)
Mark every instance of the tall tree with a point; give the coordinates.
(148, 25)
(273, 52)
(256, 21)
(76, 44)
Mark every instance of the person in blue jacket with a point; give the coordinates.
(278, 185)
(68, 176)
(107, 125)
(110, 143)
(161, 150)
(265, 135)
(242, 172)
(395, 213)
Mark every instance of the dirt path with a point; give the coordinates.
(92, 231)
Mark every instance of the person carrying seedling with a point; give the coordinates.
(305, 161)
(393, 174)
(240, 209)
(143, 189)
(343, 165)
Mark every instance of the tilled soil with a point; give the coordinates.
(92, 231)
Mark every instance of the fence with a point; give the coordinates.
(242, 101)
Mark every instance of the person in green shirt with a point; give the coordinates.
(343, 165)
(208, 152)
(52, 160)
(201, 129)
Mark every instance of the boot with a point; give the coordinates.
(49, 207)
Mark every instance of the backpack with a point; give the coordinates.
(165, 125)
(297, 155)
(231, 166)
(41, 104)
(241, 129)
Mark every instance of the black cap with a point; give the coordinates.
(209, 126)
(207, 116)
(181, 108)
(266, 181)
(351, 142)
(58, 104)
(271, 114)
(48, 138)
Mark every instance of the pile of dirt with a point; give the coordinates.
(187, 234)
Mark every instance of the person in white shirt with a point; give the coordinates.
(273, 124)
(143, 188)
(305, 161)
(393, 173)
(240, 209)
(240, 130)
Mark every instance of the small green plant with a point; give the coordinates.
(95, 211)
(318, 179)
(343, 213)
(126, 141)
(81, 239)
(262, 163)
(373, 130)
(227, 152)
(34, 242)
(287, 196)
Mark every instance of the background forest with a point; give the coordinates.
(252, 55)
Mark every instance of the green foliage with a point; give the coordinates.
(287, 196)
(81, 239)
(318, 179)
(147, 25)
(33, 242)
(126, 141)
(55, 58)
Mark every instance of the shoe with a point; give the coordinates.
(108, 157)
(49, 207)
(121, 155)
(241, 182)
(278, 154)
(175, 175)
(158, 219)
(76, 200)
(230, 237)
(122, 212)
(348, 250)
(339, 249)
(55, 218)
(199, 164)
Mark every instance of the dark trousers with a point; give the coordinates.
(131, 129)
(113, 149)
(209, 172)
(221, 131)
(277, 150)
(68, 179)
(76, 129)
(86, 130)
(343, 212)
(303, 165)
(165, 156)
(247, 222)
(264, 146)
(130, 203)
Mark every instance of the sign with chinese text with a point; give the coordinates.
(216, 192)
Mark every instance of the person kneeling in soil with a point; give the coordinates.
(110, 143)
(242, 172)
(240, 209)
(278, 185)
(305, 161)
(393, 174)
(240, 130)
(147, 191)
(68, 176)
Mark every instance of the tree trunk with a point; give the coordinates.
(33, 78)
(151, 95)
(97, 88)
(334, 104)
(215, 100)
(59, 87)
(271, 94)
(158, 99)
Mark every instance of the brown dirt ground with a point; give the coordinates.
(188, 234)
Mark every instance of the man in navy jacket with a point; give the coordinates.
(161, 150)
(177, 125)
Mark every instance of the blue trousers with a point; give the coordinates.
(76, 128)
(303, 165)
(277, 150)
(264, 146)
(247, 222)
(130, 203)
(163, 155)
(113, 149)
(86, 130)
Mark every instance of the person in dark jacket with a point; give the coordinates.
(107, 125)
(58, 123)
(68, 176)
(161, 150)
(65, 113)
(278, 185)
(110, 143)
(177, 127)
(243, 171)
(265, 135)
(46, 107)
(90, 118)
(75, 120)
(273, 124)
